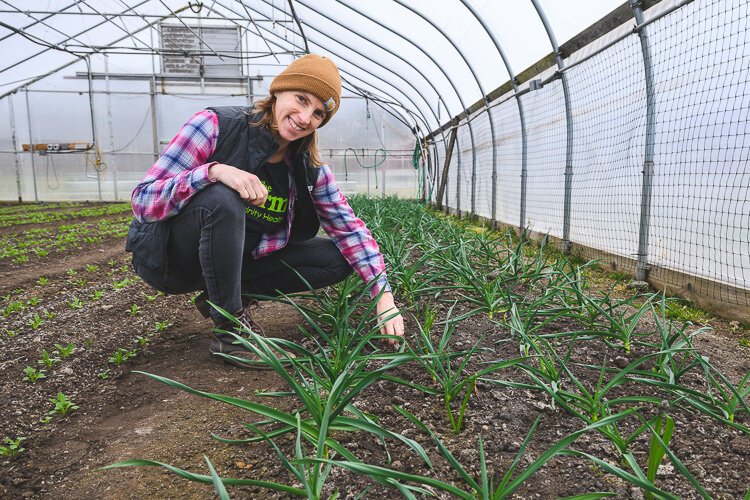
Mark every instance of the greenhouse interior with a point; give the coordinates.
(552, 201)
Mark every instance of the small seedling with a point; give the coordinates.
(31, 374)
(98, 294)
(103, 375)
(162, 325)
(92, 268)
(121, 355)
(13, 447)
(79, 283)
(152, 298)
(63, 405)
(13, 307)
(33, 301)
(122, 283)
(71, 272)
(65, 351)
(43, 281)
(75, 303)
(134, 309)
(111, 262)
(141, 340)
(35, 322)
(46, 360)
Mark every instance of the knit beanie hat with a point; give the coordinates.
(315, 74)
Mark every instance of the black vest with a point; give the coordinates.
(244, 146)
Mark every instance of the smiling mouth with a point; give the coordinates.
(294, 125)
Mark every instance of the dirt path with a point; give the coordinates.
(132, 416)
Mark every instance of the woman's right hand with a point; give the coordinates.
(246, 184)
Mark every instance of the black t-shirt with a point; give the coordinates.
(270, 216)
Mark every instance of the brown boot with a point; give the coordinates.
(224, 343)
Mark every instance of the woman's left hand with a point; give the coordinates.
(387, 308)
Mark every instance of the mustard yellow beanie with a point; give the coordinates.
(315, 74)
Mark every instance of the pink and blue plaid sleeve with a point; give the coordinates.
(348, 232)
(180, 172)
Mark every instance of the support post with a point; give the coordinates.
(444, 176)
(154, 121)
(16, 158)
(112, 161)
(31, 145)
(95, 140)
(569, 130)
(642, 266)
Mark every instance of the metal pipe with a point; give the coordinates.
(110, 126)
(642, 267)
(114, 14)
(341, 57)
(569, 138)
(31, 148)
(41, 21)
(343, 71)
(40, 77)
(437, 65)
(48, 13)
(299, 25)
(522, 117)
(72, 37)
(481, 89)
(93, 131)
(394, 54)
(16, 158)
(154, 120)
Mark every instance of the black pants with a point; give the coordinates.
(209, 250)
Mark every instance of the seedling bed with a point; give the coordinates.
(87, 296)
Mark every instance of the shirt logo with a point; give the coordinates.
(330, 104)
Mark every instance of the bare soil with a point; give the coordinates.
(125, 415)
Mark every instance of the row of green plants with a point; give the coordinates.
(40, 214)
(41, 242)
(543, 309)
(29, 308)
(16, 208)
(26, 311)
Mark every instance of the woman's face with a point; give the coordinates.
(298, 114)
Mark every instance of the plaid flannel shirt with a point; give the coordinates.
(182, 170)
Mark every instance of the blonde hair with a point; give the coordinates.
(308, 144)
